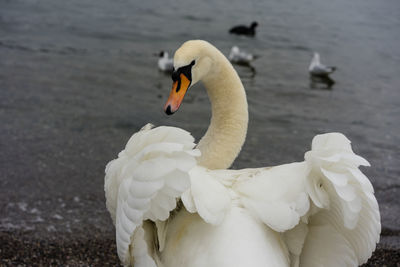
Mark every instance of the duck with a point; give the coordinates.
(245, 30)
(165, 63)
(318, 69)
(240, 57)
(177, 203)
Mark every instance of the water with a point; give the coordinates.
(77, 78)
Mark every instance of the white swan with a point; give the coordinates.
(318, 69)
(174, 204)
(240, 57)
(165, 63)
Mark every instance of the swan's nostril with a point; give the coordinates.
(168, 110)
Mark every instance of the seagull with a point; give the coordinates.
(318, 69)
(240, 57)
(165, 63)
(244, 30)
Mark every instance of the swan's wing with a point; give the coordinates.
(324, 206)
(346, 226)
(143, 183)
(276, 195)
(207, 195)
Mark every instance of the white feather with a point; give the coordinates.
(326, 198)
(211, 198)
(153, 160)
(270, 197)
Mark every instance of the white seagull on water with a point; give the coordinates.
(318, 69)
(240, 57)
(165, 63)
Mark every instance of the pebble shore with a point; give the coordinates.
(18, 250)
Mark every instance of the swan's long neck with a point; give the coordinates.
(227, 131)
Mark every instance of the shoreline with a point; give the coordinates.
(98, 250)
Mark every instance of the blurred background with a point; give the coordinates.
(79, 77)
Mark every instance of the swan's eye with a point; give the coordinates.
(192, 63)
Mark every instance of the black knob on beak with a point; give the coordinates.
(168, 110)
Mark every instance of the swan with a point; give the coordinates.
(165, 63)
(175, 203)
(240, 57)
(318, 69)
(245, 30)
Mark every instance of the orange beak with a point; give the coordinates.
(179, 89)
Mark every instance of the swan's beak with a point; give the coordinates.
(179, 89)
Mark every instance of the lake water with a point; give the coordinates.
(77, 78)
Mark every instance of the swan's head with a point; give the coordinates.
(192, 62)
(254, 24)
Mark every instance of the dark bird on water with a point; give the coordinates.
(245, 30)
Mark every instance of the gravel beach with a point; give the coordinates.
(97, 250)
(77, 79)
